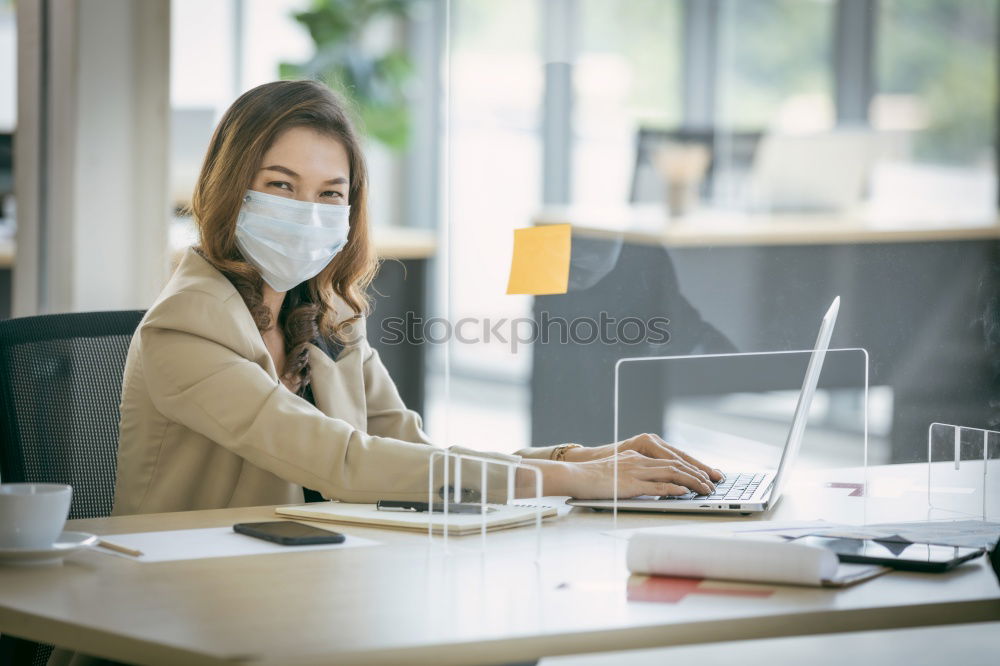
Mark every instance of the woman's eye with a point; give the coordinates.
(280, 184)
(332, 194)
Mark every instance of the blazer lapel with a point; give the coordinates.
(196, 271)
(338, 386)
(260, 354)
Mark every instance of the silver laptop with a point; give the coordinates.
(753, 491)
(825, 172)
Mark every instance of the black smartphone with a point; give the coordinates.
(289, 533)
(907, 556)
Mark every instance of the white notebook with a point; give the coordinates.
(500, 516)
(743, 558)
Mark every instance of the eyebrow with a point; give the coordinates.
(285, 170)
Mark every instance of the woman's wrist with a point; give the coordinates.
(579, 453)
(558, 478)
(565, 452)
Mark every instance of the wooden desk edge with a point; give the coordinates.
(102, 643)
(528, 648)
(686, 234)
(109, 645)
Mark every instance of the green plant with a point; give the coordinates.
(375, 80)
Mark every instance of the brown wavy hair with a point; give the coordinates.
(246, 131)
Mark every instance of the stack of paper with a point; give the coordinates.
(500, 516)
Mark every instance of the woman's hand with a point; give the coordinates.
(651, 446)
(638, 474)
(646, 466)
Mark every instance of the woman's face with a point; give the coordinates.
(306, 165)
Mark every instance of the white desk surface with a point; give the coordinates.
(650, 225)
(404, 601)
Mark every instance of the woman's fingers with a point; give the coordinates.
(713, 474)
(673, 472)
(660, 449)
(651, 448)
(639, 474)
(694, 471)
(660, 489)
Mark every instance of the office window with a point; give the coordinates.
(626, 75)
(271, 36)
(937, 97)
(217, 51)
(775, 64)
(8, 66)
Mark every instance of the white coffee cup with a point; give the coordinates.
(32, 515)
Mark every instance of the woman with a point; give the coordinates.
(250, 379)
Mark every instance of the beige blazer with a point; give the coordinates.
(206, 423)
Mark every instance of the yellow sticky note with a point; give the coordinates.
(541, 260)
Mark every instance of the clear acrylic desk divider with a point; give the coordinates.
(962, 462)
(735, 413)
(476, 490)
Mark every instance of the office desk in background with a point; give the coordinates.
(403, 602)
(912, 290)
(400, 286)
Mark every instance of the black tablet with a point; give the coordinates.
(898, 554)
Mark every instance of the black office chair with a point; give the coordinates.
(647, 185)
(60, 386)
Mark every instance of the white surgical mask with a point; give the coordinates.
(287, 240)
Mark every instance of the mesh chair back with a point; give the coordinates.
(60, 387)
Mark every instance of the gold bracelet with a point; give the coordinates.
(559, 453)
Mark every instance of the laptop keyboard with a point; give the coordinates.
(734, 488)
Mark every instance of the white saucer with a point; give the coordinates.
(68, 542)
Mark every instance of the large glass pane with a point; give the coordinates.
(627, 75)
(495, 82)
(936, 101)
(790, 208)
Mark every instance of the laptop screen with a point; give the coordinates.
(813, 370)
